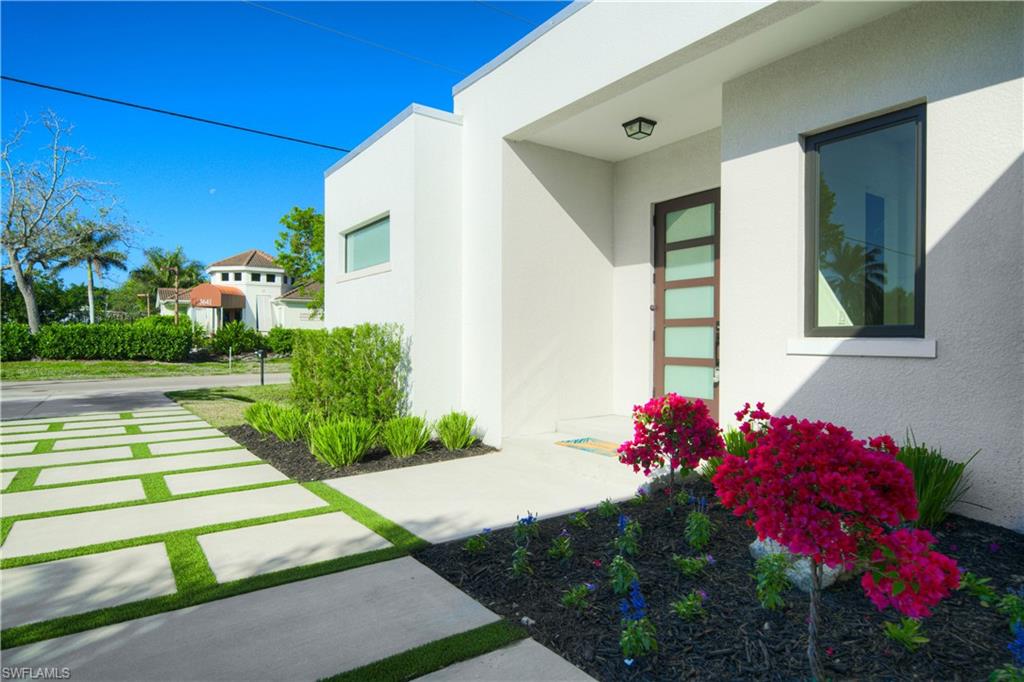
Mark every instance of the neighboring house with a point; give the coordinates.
(249, 287)
(767, 242)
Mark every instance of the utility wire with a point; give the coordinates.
(358, 39)
(166, 112)
(502, 10)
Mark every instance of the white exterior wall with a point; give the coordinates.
(295, 315)
(965, 61)
(565, 64)
(412, 174)
(556, 288)
(685, 167)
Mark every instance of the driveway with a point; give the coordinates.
(34, 399)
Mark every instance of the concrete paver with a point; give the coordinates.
(36, 536)
(104, 441)
(17, 448)
(79, 584)
(35, 501)
(23, 428)
(455, 499)
(235, 477)
(6, 478)
(143, 465)
(245, 552)
(54, 458)
(181, 446)
(176, 426)
(46, 435)
(525, 660)
(300, 631)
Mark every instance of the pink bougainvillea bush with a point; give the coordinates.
(823, 494)
(671, 430)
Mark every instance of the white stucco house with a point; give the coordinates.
(251, 287)
(827, 216)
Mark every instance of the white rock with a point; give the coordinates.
(799, 572)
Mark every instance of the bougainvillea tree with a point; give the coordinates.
(671, 430)
(840, 501)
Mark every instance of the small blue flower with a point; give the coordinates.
(486, 531)
(623, 521)
(1016, 647)
(591, 587)
(564, 533)
(710, 559)
(628, 662)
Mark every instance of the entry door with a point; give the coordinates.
(686, 285)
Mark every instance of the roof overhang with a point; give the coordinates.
(683, 91)
(216, 296)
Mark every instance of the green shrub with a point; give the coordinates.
(236, 337)
(279, 340)
(16, 342)
(736, 443)
(455, 430)
(113, 341)
(360, 371)
(260, 416)
(341, 442)
(288, 423)
(939, 483)
(405, 436)
(906, 632)
(772, 581)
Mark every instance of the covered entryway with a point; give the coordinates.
(686, 284)
(213, 305)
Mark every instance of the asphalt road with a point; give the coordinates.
(26, 399)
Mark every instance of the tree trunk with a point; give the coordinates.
(88, 288)
(27, 289)
(817, 671)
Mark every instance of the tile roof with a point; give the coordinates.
(251, 258)
(167, 294)
(302, 292)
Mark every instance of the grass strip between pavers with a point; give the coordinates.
(192, 572)
(436, 655)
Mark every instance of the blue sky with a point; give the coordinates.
(215, 191)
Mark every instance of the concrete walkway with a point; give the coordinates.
(458, 498)
(299, 631)
(25, 399)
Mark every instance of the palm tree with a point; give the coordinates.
(93, 244)
(159, 267)
(857, 274)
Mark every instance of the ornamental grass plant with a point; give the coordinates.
(455, 430)
(341, 442)
(405, 436)
(939, 482)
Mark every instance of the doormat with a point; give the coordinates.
(601, 447)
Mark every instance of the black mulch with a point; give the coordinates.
(738, 639)
(295, 461)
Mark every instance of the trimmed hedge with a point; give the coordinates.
(279, 340)
(16, 342)
(112, 341)
(351, 371)
(239, 338)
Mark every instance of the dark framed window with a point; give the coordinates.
(238, 277)
(255, 277)
(271, 278)
(223, 276)
(865, 228)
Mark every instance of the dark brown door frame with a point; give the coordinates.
(661, 248)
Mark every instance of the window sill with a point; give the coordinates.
(863, 347)
(365, 272)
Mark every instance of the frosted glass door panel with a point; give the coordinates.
(691, 263)
(690, 382)
(690, 302)
(690, 342)
(690, 223)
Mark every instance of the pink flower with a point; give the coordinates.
(671, 430)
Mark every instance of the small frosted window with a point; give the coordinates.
(368, 246)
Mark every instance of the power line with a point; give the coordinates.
(502, 10)
(166, 112)
(358, 39)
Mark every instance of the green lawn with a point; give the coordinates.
(225, 406)
(42, 370)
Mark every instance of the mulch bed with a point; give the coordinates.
(738, 639)
(293, 459)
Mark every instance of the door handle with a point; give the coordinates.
(653, 307)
